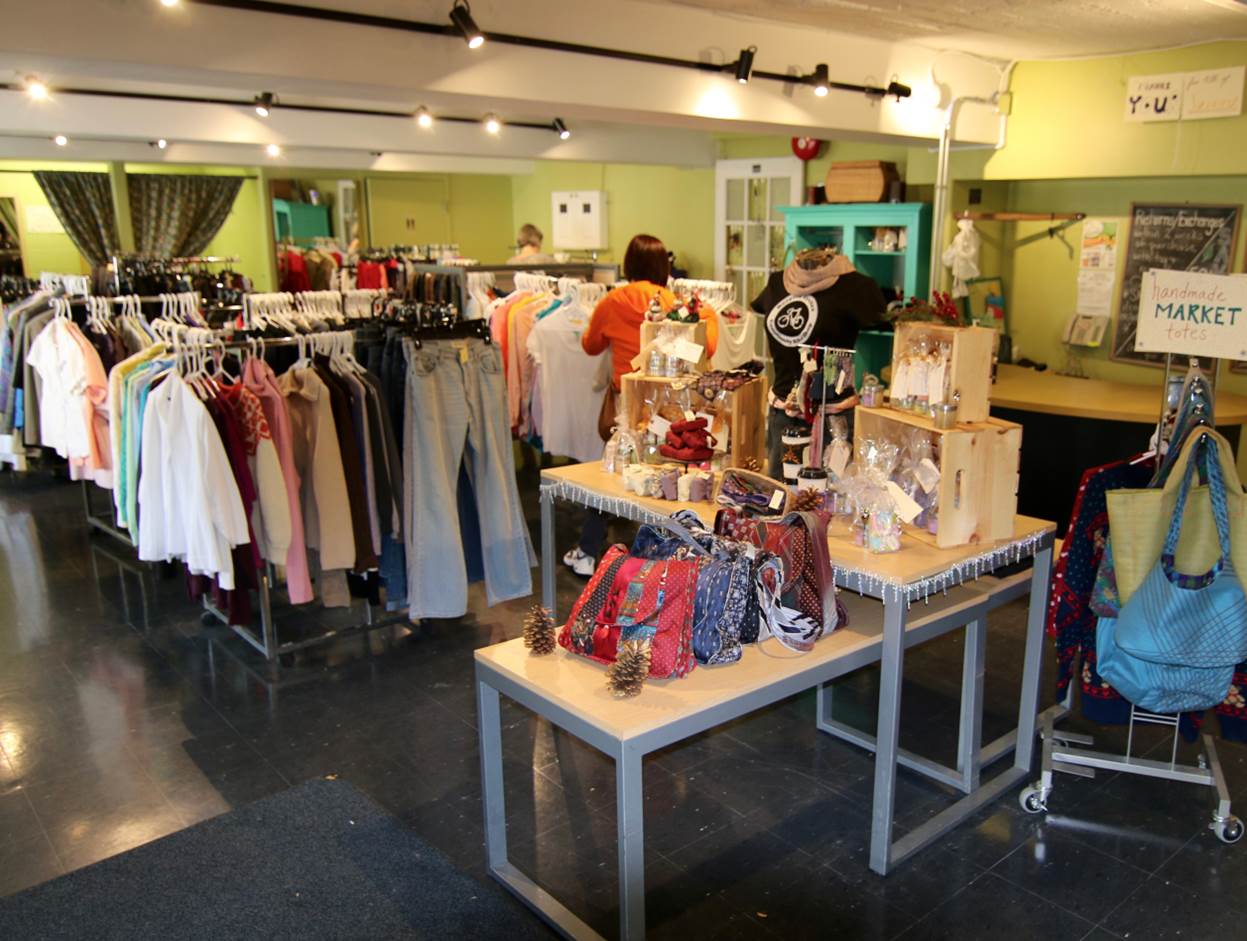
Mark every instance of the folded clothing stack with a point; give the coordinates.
(689, 442)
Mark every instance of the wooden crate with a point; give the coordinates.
(971, 363)
(745, 418)
(978, 464)
(859, 181)
(694, 332)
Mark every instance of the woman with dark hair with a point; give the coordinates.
(616, 325)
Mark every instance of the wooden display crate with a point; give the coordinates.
(745, 418)
(694, 332)
(978, 461)
(971, 363)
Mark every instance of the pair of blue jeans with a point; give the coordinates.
(456, 415)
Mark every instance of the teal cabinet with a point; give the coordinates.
(854, 228)
(300, 223)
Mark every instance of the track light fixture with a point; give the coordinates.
(273, 150)
(899, 90)
(424, 118)
(461, 16)
(492, 124)
(36, 89)
(60, 140)
(264, 104)
(744, 64)
(160, 144)
(561, 129)
(168, 3)
(820, 80)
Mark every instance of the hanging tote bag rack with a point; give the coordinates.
(1073, 753)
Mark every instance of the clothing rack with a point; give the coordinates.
(266, 642)
(1072, 753)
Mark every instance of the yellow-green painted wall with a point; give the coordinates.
(675, 204)
(470, 210)
(42, 251)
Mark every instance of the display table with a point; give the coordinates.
(1075, 424)
(571, 692)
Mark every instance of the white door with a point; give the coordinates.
(749, 228)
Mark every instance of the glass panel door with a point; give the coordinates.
(750, 231)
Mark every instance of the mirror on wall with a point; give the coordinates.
(316, 227)
(10, 239)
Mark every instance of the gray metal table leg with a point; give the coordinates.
(489, 715)
(630, 809)
(888, 733)
(548, 570)
(970, 730)
(1028, 706)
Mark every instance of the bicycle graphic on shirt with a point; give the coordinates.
(791, 321)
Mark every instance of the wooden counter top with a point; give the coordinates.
(1030, 391)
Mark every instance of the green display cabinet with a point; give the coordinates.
(856, 230)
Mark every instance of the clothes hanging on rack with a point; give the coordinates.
(738, 343)
(565, 405)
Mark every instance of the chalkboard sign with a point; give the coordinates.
(1176, 238)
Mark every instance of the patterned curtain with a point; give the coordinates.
(177, 216)
(83, 202)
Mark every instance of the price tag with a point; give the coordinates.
(777, 500)
(906, 508)
(927, 475)
(688, 415)
(658, 426)
(935, 383)
(837, 457)
(687, 350)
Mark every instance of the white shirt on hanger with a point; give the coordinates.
(738, 341)
(569, 404)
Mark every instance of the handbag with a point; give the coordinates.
(1176, 643)
(630, 598)
(726, 609)
(797, 583)
(1138, 519)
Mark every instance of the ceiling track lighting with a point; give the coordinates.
(492, 124)
(424, 118)
(160, 144)
(820, 80)
(744, 64)
(60, 140)
(168, 3)
(35, 88)
(561, 129)
(461, 17)
(273, 150)
(264, 104)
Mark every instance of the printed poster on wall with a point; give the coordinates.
(1097, 267)
(1181, 237)
(1193, 314)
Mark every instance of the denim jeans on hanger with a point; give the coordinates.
(456, 413)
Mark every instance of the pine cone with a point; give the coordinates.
(627, 674)
(751, 464)
(808, 501)
(539, 631)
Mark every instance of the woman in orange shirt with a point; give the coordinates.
(616, 325)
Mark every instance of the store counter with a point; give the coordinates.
(1070, 425)
(570, 691)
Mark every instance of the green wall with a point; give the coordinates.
(673, 203)
(42, 251)
(470, 210)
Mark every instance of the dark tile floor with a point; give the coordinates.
(123, 718)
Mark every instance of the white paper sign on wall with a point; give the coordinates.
(1193, 314)
(1154, 97)
(1215, 93)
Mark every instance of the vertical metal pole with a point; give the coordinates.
(629, 808)
(970, 734)
(268, 630)
(891, 668)
(1028, 705)
(489, 715)
(548, 597)
(1164, 405)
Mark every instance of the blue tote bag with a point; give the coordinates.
(1178, 638)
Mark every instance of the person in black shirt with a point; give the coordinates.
(818, 300)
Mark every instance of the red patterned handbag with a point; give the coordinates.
(798, 584)
(631, 598)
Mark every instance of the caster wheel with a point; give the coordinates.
(1031, 800)
(1229, 830)
(207, 619)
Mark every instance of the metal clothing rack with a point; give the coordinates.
(266, 641)
(1071, 753)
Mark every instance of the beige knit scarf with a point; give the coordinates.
(801, 281)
